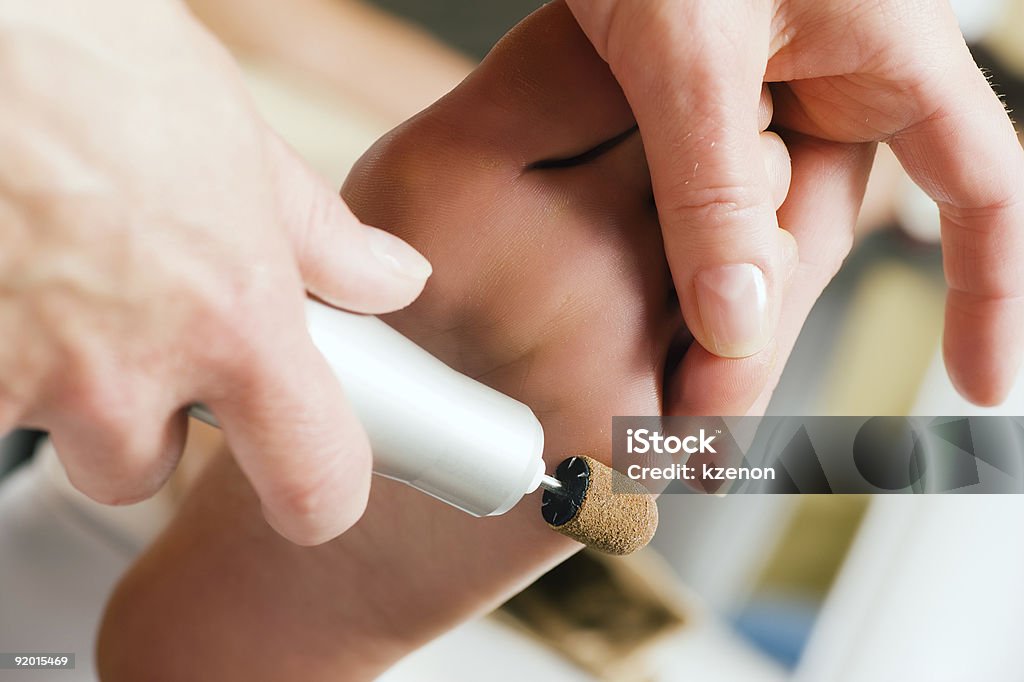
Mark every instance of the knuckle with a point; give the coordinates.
(302, 499)
(716, 205)
(332, 500)
(111, 451)
(220, 307)
(106, 406)
(113, 478)
(232, 331)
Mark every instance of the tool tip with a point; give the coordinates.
(600, 507)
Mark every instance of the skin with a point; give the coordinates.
(551, 285)
(155, 254)
(133, 291)
(895, 71)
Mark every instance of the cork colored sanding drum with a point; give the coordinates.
(588, 510)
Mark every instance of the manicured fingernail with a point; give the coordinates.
(398, 256)
(733, 304)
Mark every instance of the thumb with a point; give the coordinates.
(695, 88)
(347, 264)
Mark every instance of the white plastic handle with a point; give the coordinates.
(429, 426)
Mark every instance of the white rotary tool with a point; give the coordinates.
(458, 440)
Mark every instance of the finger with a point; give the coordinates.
(777, 166)
(828, 185)
(699, 120)
(289, 426)
(345, 263)
(115, 457)
(966, 156)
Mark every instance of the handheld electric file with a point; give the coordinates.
(463, 442)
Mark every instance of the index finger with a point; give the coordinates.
(693, 73)
(287, 422)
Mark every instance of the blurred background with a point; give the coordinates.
(744, 588)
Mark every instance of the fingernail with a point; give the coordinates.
(733, 304)
(398, 256)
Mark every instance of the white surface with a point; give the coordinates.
(933, 588)
(60, 555)
(932, 592)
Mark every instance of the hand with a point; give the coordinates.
(158, 243)
(527, 188)
(843, 70)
